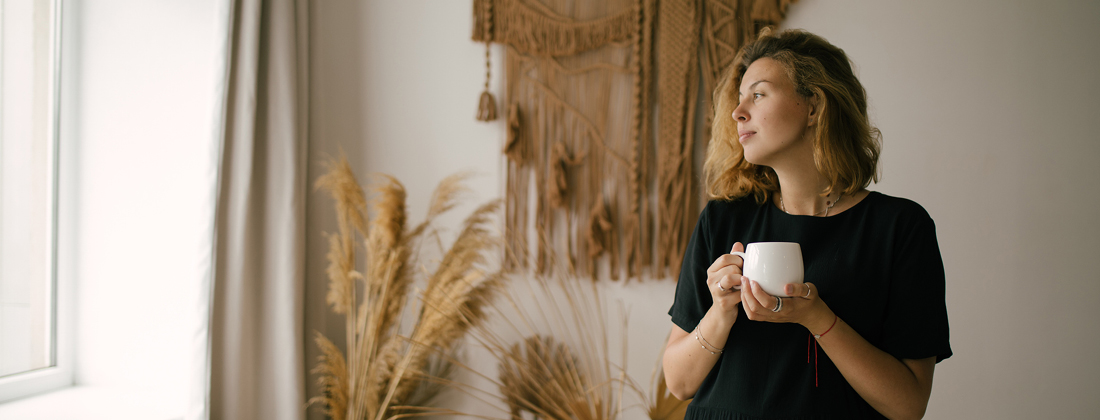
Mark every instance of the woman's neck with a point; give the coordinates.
(800, 191)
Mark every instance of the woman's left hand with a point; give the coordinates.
(803, 305)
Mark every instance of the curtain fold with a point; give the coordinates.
(256, 353)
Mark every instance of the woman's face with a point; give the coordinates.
(772, 118)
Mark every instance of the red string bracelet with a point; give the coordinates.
(818, 336)
(814, 337)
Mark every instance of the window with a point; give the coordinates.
(28, 197)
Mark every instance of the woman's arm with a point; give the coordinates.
(898, 389)
(687, 361)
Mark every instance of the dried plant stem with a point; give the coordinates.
(385, 370)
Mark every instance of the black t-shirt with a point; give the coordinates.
(878, 267)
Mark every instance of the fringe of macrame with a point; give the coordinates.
(600, 234)
(581, 205)
(535, 32)
(637, 227)
(513, 146)
(573, 162)
(677, 44)
(558, 185)
(519, 170)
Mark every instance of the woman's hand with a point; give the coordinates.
(724, 280)
(803, 307)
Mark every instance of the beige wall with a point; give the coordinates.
(986, 109)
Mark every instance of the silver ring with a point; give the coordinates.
(719, 284)
(778, 304)
(808, 290)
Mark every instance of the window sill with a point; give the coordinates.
(92, 403)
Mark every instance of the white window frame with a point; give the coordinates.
(60, 373)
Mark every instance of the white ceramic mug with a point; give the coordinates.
(773, 264)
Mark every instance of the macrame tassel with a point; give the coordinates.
(487, 108)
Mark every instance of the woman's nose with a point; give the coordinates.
(739, 114)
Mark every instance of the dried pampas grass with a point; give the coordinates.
(387, 364)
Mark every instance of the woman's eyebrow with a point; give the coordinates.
(740, 94)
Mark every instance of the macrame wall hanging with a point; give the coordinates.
(579, 104)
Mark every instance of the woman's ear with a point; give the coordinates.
(813, 110)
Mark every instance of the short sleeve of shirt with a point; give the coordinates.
(692, 296)
(916, 325)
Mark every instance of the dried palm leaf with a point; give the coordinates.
(542, 377)
(562, 369)
(666, 406)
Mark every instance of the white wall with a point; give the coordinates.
(985, 109)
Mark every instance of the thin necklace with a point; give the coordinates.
(826, 211)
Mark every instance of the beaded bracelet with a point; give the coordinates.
(704, 340)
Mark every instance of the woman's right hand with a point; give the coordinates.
(724, 280)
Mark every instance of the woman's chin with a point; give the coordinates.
(755, 159)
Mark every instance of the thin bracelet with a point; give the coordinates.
(707, 342)
(818, 336)
(700, 337)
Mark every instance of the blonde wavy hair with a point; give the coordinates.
(846, 146)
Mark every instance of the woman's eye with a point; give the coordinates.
(757, 95)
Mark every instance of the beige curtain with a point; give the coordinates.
(256, 355)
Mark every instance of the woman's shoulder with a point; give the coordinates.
(896, 206)
(745, 203)
(727, 209)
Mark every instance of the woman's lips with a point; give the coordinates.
(744, 134)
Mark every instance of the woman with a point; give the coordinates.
(792, 155)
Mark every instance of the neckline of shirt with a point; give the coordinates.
(857, 207)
